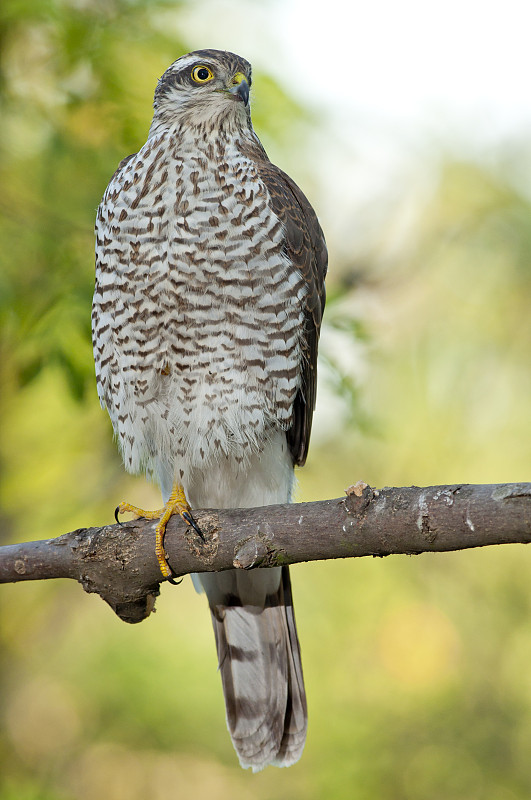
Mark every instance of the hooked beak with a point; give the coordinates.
(239, 87)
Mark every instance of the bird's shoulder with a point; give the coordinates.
(305, 239)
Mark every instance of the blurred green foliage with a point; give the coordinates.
(416, 668)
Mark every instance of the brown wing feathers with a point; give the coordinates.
(305, 246)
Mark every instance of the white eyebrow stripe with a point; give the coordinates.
(184, 62)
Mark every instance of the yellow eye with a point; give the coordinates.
(202, 74)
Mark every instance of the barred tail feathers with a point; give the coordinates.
(260, 664)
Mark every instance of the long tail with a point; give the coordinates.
(260, 664)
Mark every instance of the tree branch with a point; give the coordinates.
(118, 561)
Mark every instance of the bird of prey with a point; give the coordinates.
(210, 268)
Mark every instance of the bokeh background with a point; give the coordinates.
(408, 126)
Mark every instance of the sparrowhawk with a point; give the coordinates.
(210, 267)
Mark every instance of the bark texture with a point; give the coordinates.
(118, 561)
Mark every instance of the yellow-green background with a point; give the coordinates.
(418, 670)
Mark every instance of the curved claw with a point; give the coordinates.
(177, 504)
(191, 521)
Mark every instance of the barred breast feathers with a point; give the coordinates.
(199, 308)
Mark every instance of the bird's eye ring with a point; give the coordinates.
(202, 74)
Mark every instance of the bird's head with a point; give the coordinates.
(205, 86)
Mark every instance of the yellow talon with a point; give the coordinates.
(177, 504)
(127, 508)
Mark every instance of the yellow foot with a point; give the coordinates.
(177, 504)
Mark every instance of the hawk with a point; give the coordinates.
(210, 267)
